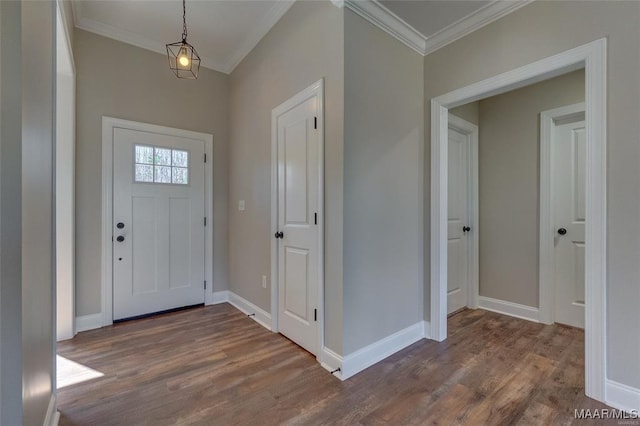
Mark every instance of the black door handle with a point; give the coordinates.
(466, 229)
(279, 235)
(120, 238)
(120, 225)
(562, 231)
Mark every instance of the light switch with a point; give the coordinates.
(241, 205)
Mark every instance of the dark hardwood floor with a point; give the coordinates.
(215, 366)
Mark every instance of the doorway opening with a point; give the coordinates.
(591, 58)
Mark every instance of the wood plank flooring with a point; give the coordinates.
(215, 366)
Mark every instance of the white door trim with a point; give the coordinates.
(547, 121)
(316, 89)
(471, 130)
(65, 181)
(591, 57)
(108, 126)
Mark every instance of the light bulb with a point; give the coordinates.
(184, 61)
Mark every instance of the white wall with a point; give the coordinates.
(383, 192)
(539, 30)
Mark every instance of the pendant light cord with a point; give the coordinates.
(184, 20)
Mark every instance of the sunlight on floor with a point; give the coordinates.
(70, 372)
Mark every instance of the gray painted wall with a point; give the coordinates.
(509, 185)
(469, 112)
(304, 46)
(27, 312)
(124, 81)
(383, 193)
(38, 230)
(10, 214)
(539, 30)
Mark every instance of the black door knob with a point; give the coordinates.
(120, 238)
(279, 235)
(466, 229)
(120, 225)
(562, 231)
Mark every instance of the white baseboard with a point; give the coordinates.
(331, 361)
(622, 397)
(260, 316)
(218, 297)
(52, 416)
(426, 326)
(377, 351)
(88, 322)
(509, 308)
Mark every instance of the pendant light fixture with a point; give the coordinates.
(184, 61)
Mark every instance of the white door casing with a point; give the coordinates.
(593, 58)
(462, 215)
(65, 182)
(159, 264)
(111, 126)
(297, 219)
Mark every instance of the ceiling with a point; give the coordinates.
(222, 31)
(225, 31)
(430, 16)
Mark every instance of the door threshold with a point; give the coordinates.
(153, 314)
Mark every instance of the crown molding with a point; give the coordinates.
(472, 22)
(374, 12)
(268, 21)
(377, 14)
(226, 66)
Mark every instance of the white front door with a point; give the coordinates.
(158, 222)
(458, 241)
(298, 145)
(568, 155)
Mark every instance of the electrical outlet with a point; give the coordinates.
(241, 205)
(264, 281)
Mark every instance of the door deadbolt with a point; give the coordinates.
(120, 238)
(120, 225)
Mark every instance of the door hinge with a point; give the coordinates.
(315, 122)
(315, 315)
(315, 218)
(205, 221)
(205, 284)
(205, 157)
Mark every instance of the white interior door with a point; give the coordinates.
(298, 145)
(158, 222)
(459, 241)
(568, 182)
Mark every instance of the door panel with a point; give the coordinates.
(296, 173)
(298, 194)
(458, 211)
(296, 293)
(159, 200)
(180, 246)
(568, 174)
(143, 236)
